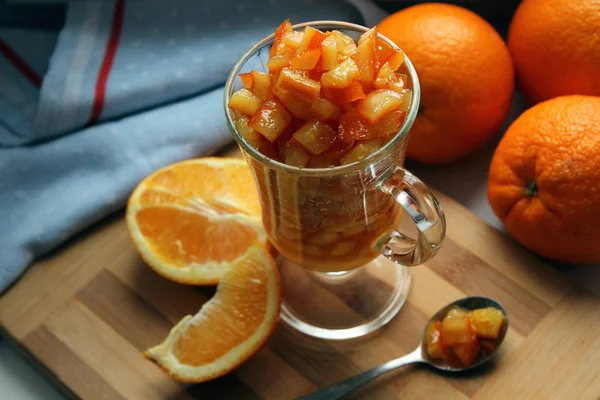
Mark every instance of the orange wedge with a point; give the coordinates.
(192, 220)
(229, 328)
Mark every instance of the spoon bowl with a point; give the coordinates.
(419, 355)
(468, 303)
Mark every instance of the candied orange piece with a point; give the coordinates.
(385, 76)
(270, 119)
(316, 73)
(329, 53)
(284, 50)
(311, 39)
(261, 85)
(246, 79)
(274, 77)
(352, 126)
(487, 322)
(299, 106)
(294, 81)
(358, 128)
(337, 150)
(467, 352)
(296, 155)
(317, 39)
(345, 45)
(325, 110)
(457, 312)
(393, 58)
(285, 27)
(389, 125)
(277, 63)
(406, 99)
(378, 103)
(306, 60)
(396, 60)
(366, 56)
(342, 75)
(342, 39)
(253, 138)
(398, 84)
(315, 136)
(456, 329)
(292, 39)
(383, 50)
(344, 96)
(361, 150)
(435, 347)
(244, 101)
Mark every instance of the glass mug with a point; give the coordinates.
(343, 260)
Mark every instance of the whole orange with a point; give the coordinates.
(544, 181)
(466, 77)
(555, 45)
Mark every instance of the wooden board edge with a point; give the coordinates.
(30, 358)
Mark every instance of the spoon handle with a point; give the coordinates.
(337, 390)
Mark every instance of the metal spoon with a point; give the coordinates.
(419, 355)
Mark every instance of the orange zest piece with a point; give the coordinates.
(246, 79)
(306, 60)
(285, 27)
(346, 95)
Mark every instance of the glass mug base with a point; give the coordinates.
(342, 305)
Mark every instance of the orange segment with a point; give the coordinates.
(158, 196)
(229, 328)
(191, 220)
(217, 181)
(183, 236)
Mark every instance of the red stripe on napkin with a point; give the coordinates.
(107, 62)
(20, 65)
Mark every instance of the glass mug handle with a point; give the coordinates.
(414, 196)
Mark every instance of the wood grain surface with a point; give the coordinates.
(88, 311)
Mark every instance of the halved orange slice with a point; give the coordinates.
(229, 328)
(190, 221)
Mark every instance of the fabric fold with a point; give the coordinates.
(114, 58)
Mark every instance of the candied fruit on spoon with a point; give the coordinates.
(487, 322)
(461, 335)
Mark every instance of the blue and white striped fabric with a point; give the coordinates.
(72, 149)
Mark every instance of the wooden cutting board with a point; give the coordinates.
(89, 310)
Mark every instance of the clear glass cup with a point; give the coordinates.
(342, 257)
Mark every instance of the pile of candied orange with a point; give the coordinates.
(462, 335)
(326, 101)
